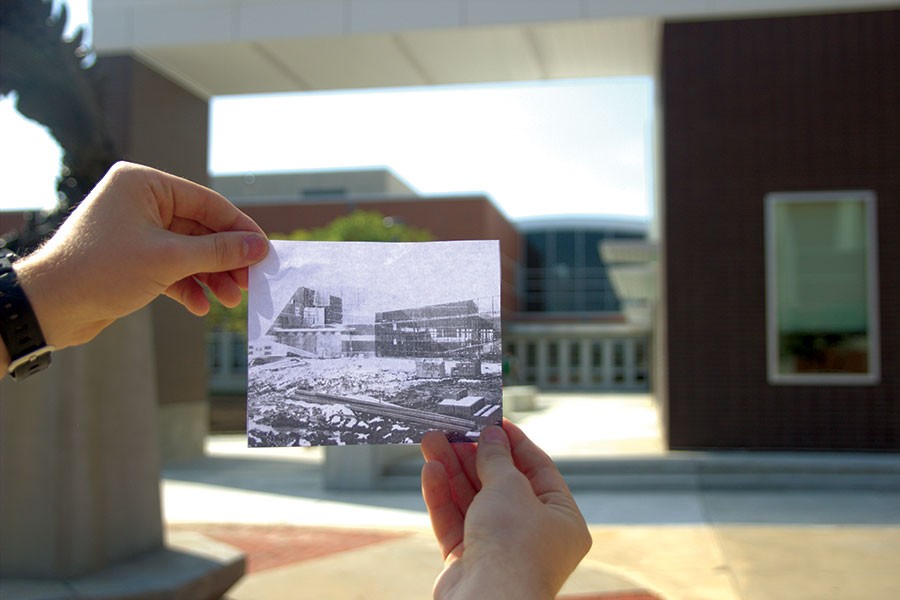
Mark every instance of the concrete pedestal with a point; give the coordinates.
(519, 398)
(361, 467)
(190, 567)
(79, 463)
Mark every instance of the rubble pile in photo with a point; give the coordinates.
(277, 418)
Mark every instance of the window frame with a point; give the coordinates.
(873, 376)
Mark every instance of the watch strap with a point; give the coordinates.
(19, 327)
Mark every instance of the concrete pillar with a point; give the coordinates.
(608, 360)
(80, 513)
(586, 358)
(542, 360)
(158, 123)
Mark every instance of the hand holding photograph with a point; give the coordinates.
(373, 342)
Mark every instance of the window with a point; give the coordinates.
(822, 288)
(597, 365)
(238, 351)
(575, 363)
(316, 193)
(640, 360)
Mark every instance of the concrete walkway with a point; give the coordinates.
(669, 542)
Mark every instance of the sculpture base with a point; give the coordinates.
(192, 567)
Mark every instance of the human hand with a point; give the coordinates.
(503, 516)
(140, 233)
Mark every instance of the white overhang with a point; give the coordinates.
(215, 47)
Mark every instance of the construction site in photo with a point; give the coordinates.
(316, 378)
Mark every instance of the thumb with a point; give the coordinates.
(493, 459)
(223, 251)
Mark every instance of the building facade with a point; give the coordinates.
(571, 331)
(782, 318)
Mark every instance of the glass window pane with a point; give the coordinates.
(820, 276)
(536, 250)
(592, 249)
(597, 374)
(565, 257)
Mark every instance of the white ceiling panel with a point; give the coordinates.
(258, 46)
(213, 69)
(474, 55)
(347, 61)
(598, 48)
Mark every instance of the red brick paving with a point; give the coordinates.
(632, 595)
(270, 546)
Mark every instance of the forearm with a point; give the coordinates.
(141, 233)
(45, 281)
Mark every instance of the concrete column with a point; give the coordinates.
(158, 123)
(629, 362)
(80, 443)
(586, 380)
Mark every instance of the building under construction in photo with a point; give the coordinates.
(310, 308)
(454, 329)
(310, 323)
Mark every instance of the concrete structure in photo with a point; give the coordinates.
(310, 323)
(461, 407)
(452, 329)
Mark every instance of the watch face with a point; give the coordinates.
(30, 364)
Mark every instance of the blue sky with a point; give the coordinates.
(538, 148)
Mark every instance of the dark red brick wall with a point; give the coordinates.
(754, 106)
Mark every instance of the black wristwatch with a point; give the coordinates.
(19, 328)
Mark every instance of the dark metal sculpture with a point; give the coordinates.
(54, 88)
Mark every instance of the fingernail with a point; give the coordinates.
(493, 435)
(255, 247)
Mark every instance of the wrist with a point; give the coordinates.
(37, 283)
(25, 350)
(507, 579)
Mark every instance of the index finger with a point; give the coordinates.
(204, 206)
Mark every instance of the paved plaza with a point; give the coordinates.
(819, 540)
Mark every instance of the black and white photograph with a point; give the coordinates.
(373, 342)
